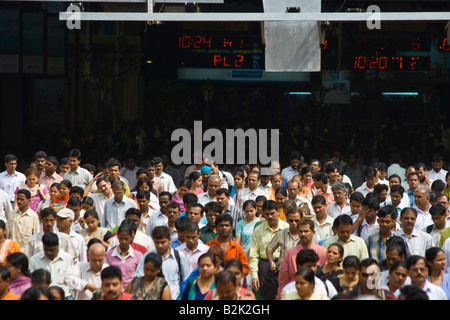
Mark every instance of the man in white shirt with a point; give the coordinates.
(341, 203)
(370, 174)
(252, 190)
(10, 179)
(77, 175)
(422, 205)
(169, 184)
(64, 220)
(128, 171)
(84, 277)
(99, 198)
(437, 172)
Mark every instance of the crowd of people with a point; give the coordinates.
(151, 231)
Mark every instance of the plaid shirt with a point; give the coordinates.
(21, 226)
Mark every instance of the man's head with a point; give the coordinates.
(339, 192)
(421, 170)
(39, 159)
(10, 163)
(332, 172)
(253, 180)
(369, 274)
(74, 157)
(51, 165)
(23, 198)
(212, 210)
(159, 166)
(397, 194)
(295, 159)
(270, 211)
(223, 197)
(226, 285)
(438, 215)
(118, 189)
(319, 205)
(307, 258)
(444, 200)
(422, 198)
(96, 256)
(394, 179)
(224, 225)
(112, 285)
(315, 166)
(408, 218)
(165, 198)
(64, 219)
(191, 235)
(50, 243)
(386, 218)
(343, 226)
(293, 188)
(306, 231)
(370, 175)
(188, 200)
(320, 179)
(74, 204)
(293, 218)
(48, 219)
(214, 184)
(417, 270)
(161, 239)
(371, 205)
(173, 212)
(437, 162)
(143, 199)
(413, 180)
(395, 250)
(196, 212)
(114, 170)
(356, 200)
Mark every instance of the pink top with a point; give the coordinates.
(289, 265)
(127, 266)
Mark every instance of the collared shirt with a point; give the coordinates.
(79, 276)
(363, 229)
(288, 267)
(435, 233)
(169, 185)
(57, 267)
(99, 202)
(423, 218)
(34, 244)
(157, 219)
(376, 246)
(354, 246)
(192, 256)
(170, 270)
(433, 291)
(261, 237)
(334, 210)
(324, 230)
(81, 177)
(80, 246)
(10, 183)
(126, 261)
(139, 238)
(247, 194)
(21, 226)
(5, 206)
(48, 181)
(433, 175)
(328, 195)
(364, 189)
(207, 234)
(234, 251)
(285, 240)
(410, 195)
(114, 212)
(288, 173)
(418, 242)
(158, 185)
(237, 215)
(397, 169)
(204, 198)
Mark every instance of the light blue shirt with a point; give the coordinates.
(81, 177)
(10, 183)
(170, 270)
(156, 219)
(114, 213)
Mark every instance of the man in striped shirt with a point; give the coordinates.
(376, 243)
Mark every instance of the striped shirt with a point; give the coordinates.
(21, 226)
(237, 215)
(355, 246)
(418, 242)
(285, 240)
(247, 194)
(376, 246)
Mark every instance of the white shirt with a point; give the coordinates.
(247, 194)
(435, 233)
(140, 238)
(433, 175)
(364, 189)
(334, 210)
(418, 242)
(319, 286)
(81, 177)
(156, 219)
(365, 227)
(434, 292)
(80, 246)
(10, 183)
(79, 276)
(5, 205)
(423, 218)
(169, 185)
(324, 230)
(446, 249)
(99, 202)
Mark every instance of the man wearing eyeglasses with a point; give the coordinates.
(418, 273)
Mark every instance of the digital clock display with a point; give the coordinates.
(391, 63)
(219, 51)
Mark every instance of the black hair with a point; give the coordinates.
(305, 256)
(111, 272)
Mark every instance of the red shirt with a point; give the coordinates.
(234, 251)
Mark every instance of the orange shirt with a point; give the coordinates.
(11, 296)
(234, 251)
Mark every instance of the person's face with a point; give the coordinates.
(439, 262)
(51, 252)
(162, 246)
(259, 206)
(104, 187)
(125, 240)
(413, 181)
(370, 212)
(114, 173)
(237, 273)
(439, 221)
(307, 177)
(408, 221)
(292, 189)
(351, 273)
(340, 196)
(305, 233)
(197, 183)
(265, 180)
(371, 182)
(119, 192)
(394, 181)
(50, 168)
(91, 223)
(250, 212)
(22, 201)
(280, 199)
(32, 180)
(163, 203)
(226, 291)
(304, 288)
(391, 257)
(383, 195)
(64, 168)
(191, 239)
(271, 216)
(277, 181)
(334, 175)
(144, 187)
(211, 217)
(292, 219)
(368, 275)
(398, 277)
(315, 166)
(238, 181)
(40, 164)
(420, 199)
(151, 271)
(333, 255)
(11, 165)
(295, 163)
(396, 198)
(418, 273)
(421, 172)
(112, 288)
(385, 224)
(224, 229)
(151, 172)
(206, 267)
(63, 224)
(182, 191)
(14, 271)
(252, 181)
(344, 231)
(54, 192)
(205, 176)
(320, 209)
(223, 200)
(76, 210)
(74, 163)
(173, 214)
(213, 185)
(48, 223)
(135, 218)
(96, 259)
(355, 206)
(143, 203)
(159, 168)
(195, 214)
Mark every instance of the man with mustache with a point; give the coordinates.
(418, 273)
(295, 159)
